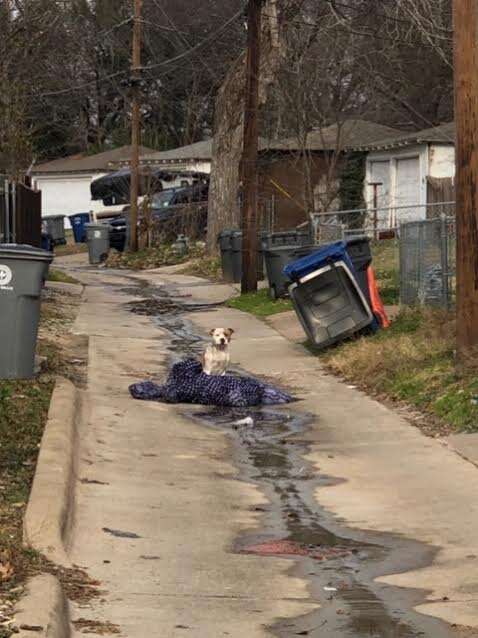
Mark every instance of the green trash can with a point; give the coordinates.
(23, 270)
(55, 227)
(98, 239)
(277, 258)
(225, 247)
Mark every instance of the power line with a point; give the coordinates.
(150, 67)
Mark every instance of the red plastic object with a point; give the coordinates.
(378, 308)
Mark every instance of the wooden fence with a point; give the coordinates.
(20, 214)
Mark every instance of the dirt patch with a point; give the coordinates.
(206, 267)
(95, 627)
(413, 365)
(76, 583)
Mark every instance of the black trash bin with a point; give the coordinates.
(286, 238)
(236, 255)
(225, 247)
(327, 297)
(360, 253)
(23, 269)
(276, 259)
(55, 227)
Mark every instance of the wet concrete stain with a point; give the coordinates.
(87, 481)
(339, 564)
(120, 533)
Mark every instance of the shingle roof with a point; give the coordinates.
(444, 133)
(87, 163)
(351, 133)
(198, 151)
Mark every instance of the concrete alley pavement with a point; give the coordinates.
(163, 502)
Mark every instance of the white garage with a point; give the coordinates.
(65, 183)
(399, 172)
(63, 195)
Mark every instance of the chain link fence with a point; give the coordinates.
(428, 262)
(427, 259)
(379, 223)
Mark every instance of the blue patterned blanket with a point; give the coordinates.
(187, 383)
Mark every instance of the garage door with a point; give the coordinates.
(407, 190)
(64, 196)
(380, 174)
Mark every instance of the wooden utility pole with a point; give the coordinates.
(135, 123)
(465, 17)
(248, 168)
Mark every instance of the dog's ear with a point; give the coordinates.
(211, 332)
(229, 332)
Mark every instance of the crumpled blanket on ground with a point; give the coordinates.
(187, 383)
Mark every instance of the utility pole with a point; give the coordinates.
(248, 168)
(135, 123)
(465, 18)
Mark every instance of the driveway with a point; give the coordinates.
(330, 517)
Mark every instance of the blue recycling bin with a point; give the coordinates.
(78, 222)
(46, 242)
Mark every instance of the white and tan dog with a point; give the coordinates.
(216, 357)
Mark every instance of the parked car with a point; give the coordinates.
(173, 211)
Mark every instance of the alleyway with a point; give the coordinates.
(196, 526)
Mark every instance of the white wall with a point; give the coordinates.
(442, 160)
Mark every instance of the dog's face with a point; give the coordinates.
(221, 336)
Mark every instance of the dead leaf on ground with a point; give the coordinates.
(6, 571)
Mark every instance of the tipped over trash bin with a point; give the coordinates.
(23, 269)
(327, 297)
(98, 239)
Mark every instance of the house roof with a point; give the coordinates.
(444, 133)
(87, 163)
(198, 151)
(350, 134)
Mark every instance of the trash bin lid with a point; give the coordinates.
(24, 251)
(54, 217)
(283, 248)
(323, 256)
(97, 226)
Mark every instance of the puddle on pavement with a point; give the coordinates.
(270, 453)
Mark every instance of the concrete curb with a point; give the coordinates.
(44, 610)
(49, 516)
